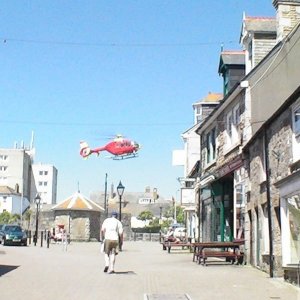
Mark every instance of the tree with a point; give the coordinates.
(27, 217)
(145, 215)
(179, 213)
(7, 218)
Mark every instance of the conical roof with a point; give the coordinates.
(78, 202)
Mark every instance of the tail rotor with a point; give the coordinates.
(85, 150)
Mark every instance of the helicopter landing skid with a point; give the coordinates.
(122, 157)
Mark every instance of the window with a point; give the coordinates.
(293, 204)
(3, 157)
(250, 50)
(229, 125)
(297, 121)
(45, 183)
(263, 175)
(3, 179)
(40, 183)
(45, 173)
(199, 119)
(226, 83)
(211, 146)
(3, 168)
(232, 127)
(296, 131)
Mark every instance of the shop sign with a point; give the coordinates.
(230, 166)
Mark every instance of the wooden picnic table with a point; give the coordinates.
(229, 250)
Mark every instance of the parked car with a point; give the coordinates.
(12, 234)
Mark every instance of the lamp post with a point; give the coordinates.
(120, 190)
(37, 200)
(105, 197)
(160, 215)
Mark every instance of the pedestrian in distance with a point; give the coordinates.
(111, 235)
(170, 236)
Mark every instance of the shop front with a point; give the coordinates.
(221, 214)
(289, 189)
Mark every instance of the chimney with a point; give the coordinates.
(288, 16)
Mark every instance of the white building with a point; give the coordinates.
(12, 201)
(45, 182)
(189, 158)
(15, 170)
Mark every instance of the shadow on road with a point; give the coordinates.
(5, 269)
(125, 272)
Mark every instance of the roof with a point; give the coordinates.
(260, 24)
(232, 57)
(4, 189)
(275, 2)
(210, 97)
(78, 202)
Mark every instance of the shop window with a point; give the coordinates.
(293, 204)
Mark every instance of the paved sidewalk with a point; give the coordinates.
(143, 272)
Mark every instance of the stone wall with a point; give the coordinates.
(279, 141)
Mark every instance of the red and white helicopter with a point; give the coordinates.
(119, 147)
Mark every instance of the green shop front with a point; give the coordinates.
(220, 211)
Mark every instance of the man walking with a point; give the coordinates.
(112, 233)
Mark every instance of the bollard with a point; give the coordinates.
(48, 239)
(42, 233)
(64, 240)
(29, 236)
(35, 238)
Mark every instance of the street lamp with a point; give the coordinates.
(160, 215)
(120, 190)
(37, 200)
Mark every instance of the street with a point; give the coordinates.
(143, 271)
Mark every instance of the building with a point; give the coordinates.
(250, 147)
(273, 152)
(12, 201)
(189, 159)
(221, 162)
(15, 171)
(79, 216)
(21, 176)
(44, 182)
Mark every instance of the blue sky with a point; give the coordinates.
(85, 70)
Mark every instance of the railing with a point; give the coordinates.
(145, 236)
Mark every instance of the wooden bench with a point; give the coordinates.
(230, 256)
(180, 245)
(229, 250)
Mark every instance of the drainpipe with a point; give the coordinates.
(199, 216)
(269, 203)
(222, 213)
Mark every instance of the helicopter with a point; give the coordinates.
(119, 147)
